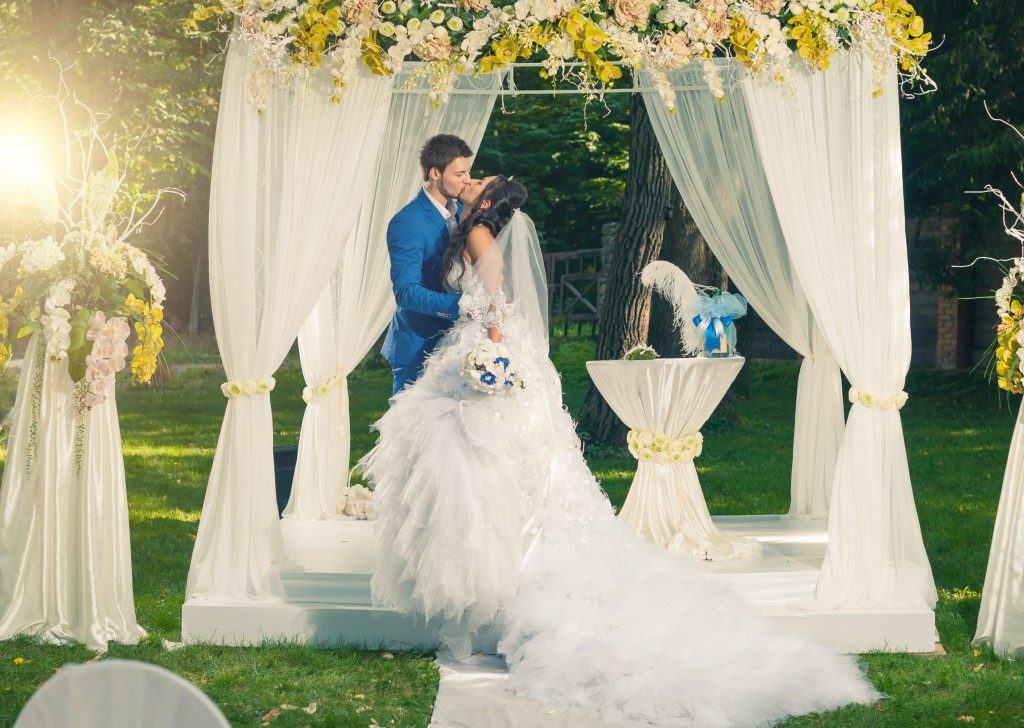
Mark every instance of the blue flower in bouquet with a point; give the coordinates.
(488, 369)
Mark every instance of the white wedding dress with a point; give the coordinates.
(488, 515)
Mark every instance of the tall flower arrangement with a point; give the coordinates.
(1008, 355)
(584, 41)
(81, 284)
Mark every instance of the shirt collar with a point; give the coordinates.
(446, 213)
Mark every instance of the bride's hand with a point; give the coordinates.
(494, 335)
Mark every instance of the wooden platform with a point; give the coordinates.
(329, 601)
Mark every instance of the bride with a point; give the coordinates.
(488, 515)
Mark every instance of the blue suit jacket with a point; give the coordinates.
(417, 237)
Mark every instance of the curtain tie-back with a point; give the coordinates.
(311, 394)
(651, 448)
(874, 401)
(248, 387)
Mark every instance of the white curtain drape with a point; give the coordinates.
(287, 185)
(355, 308)
(65, 551)
(711, 153)
(831, 153)
(1001, 619)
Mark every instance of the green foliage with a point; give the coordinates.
(950, 146)
(571, 156)
(159, 87)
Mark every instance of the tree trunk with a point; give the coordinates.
(198, 286)
(626, 306)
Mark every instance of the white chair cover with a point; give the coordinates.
(711, 152)
(119, 694)
(355, 308)
(287, 185)
(1001, 619)
(65, 552)
(831, 154)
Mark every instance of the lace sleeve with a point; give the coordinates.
(492, 309)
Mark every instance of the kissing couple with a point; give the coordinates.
(489, 520)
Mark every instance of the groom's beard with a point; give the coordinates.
(448, 193)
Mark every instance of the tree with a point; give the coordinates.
(949, 144)
(160, 88)
(625, 309)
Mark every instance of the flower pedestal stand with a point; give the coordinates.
(65, 555)
(665, 402)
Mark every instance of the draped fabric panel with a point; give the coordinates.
(672, 398)
(714, 161)
(1001, 619)
(357, 305)
(831, 153)
(65, 550)
(286, 191)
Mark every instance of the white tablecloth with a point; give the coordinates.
(673, 398)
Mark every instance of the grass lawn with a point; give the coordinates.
(957, 434)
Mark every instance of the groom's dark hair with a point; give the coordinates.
(440, 151)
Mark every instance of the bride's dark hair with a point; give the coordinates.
(505, 196)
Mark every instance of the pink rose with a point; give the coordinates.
(716, 14)
(434, 49)
(631, 13)
(676, 48)
(360, 11)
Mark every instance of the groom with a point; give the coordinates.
(417, 237)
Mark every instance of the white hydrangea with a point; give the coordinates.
(39, 256)
(7, 254)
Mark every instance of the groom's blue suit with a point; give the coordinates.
(417, 237)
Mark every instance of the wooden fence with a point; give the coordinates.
(575, 279)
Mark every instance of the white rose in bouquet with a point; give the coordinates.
(488, 369)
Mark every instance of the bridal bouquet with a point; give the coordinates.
(489, 369)
(80, 284)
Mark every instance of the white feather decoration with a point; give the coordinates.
(677, 288)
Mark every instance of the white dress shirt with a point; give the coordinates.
(447, 213)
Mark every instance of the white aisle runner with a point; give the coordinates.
(475, 694)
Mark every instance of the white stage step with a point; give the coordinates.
(327, 601)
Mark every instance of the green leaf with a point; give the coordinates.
(135, 287)
(23, 332)
(80, 345)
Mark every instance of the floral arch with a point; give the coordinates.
(780, 123)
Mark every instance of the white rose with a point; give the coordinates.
(387, 29)
(413, 24)
(646, 439)
(437, 17)
(388, 7)
(902, 397)
(887, 402)
(455, 24)
(249, 388)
